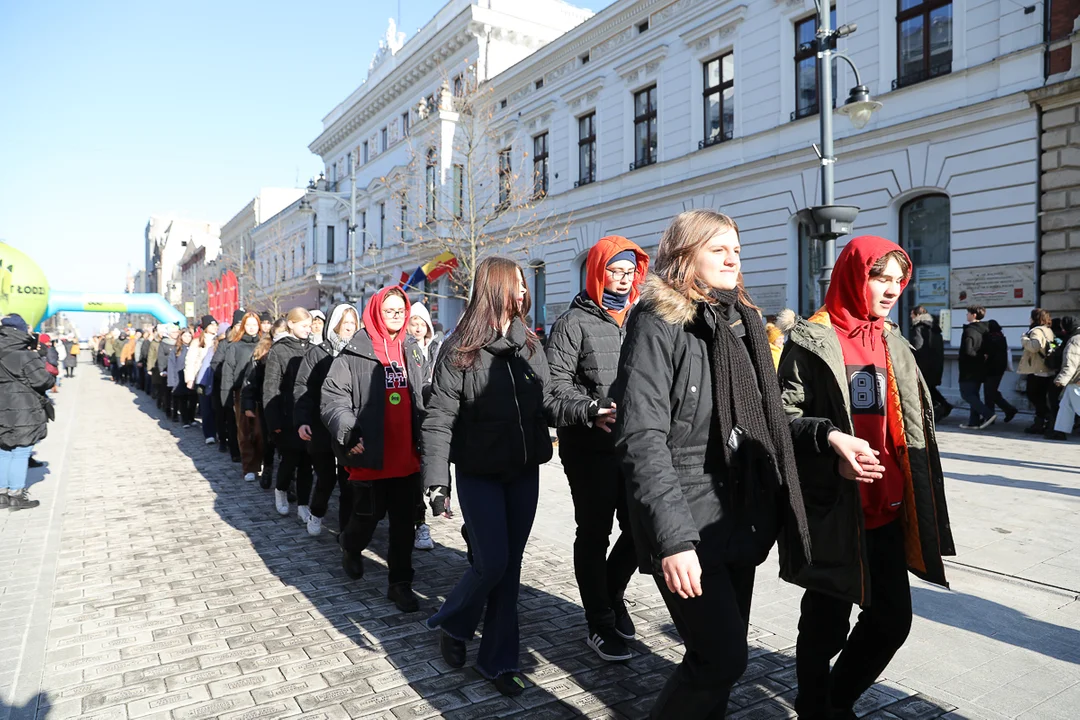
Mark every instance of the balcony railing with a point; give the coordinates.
(644, 163)
(914, 78)
(588, 179)
(714, 140)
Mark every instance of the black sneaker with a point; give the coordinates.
(34, 463)
(624, 624)
(1038, 428)
(453, 650)
(944, 412)
(510, 684)
(266, 479)
(1010, 414)
(403, 597)
(1055, 435)
(353, 567)
(21, 501)
(608, 645)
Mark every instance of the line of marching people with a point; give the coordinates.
(679, 419)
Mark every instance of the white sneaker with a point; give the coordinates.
(303, 514)
(423, 538)
(314, 525)
(211, 441)
(988, 422)
(250, 477)
(281, 502)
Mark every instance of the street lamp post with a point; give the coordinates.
(829, 221)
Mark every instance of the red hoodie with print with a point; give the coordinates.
(400, 455)
(862, 340)
(596, 264)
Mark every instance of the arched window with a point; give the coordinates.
(925, 232)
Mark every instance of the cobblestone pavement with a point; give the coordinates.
(154, 582)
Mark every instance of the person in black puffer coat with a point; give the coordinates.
(929, 346)
(224, 421)
(235, 366)
(583, 353)
(488, 414)
(707, 452)
(998, 362)
(282, 366)
(337, 332)
(251, 401)
(971, 363)
(161, 376)
(24, 409)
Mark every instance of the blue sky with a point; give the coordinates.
(113, 111)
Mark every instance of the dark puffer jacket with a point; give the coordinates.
(353, 401)
(583, 354)
(971, 361)
(23, 382)
(308, 394)
(490, 419)
(282, 366)
(929, 348)
(235, 365)
(679, 489)
(815, 391)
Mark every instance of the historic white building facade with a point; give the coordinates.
(170, 243)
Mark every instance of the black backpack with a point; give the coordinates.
(1055, 356)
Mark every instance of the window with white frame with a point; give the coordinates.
(586, 149)
(540, 165)
(644, 128)
(806, 66)
(459, 191)
(923, 40)
(719, 99)
(506, 179)
(431, 186)
(330, 243)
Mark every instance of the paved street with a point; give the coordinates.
(154, 582)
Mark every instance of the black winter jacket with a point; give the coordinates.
(972, 358)
(251, 392)
(282, 366)
(679, 493)
(490, 419)
(929, 348)
(353, 402)
(583, 354)
(314, 368)
(235, 365)
(996, 349)
(23, 382)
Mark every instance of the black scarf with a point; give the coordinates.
(760, 415)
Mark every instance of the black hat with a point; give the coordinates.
(237, 316)
(15, 320)
(265, 316)
(207, 321)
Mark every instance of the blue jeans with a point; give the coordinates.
(499, 516)
(969, 390)
(13, 467)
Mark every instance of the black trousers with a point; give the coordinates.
(598, 489)
(992, 396)
(327, 475)
(937, 398)
(372, 500)
(881, 630)
(184, 404)
(228, 428)
(1038, 389)
(713, 628)
(295, 465)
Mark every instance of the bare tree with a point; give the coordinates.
(479, 193)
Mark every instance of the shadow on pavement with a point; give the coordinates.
(1011, 462)
(1014, 483)
(38, 706)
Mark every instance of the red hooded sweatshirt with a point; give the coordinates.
(595, 276)
(400, 456)
(862, 341)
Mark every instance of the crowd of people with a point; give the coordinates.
(705, 433)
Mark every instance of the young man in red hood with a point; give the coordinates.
(871, 478)
(583, 354)
(370, 404)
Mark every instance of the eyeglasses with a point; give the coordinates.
(393, 313)
(618, 275)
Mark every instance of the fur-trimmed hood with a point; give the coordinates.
(923, 319)
(669, 304)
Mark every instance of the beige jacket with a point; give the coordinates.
(1070, 363)
(195, 356)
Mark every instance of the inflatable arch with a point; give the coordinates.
(24, 290)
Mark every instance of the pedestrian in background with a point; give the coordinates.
(24, 409)
(1068, 381)
(706, 449)
(72, 359)
(251, 404)
(929, 346)
(225, 418)
(1036, 344)
(282, 366)
(183, 405)
(421, 344)
(583, 355)
(998, 361)
(234, 368)
(127, 358)
(199, 355)
(871, 476)
(487, 414)
(972, 366)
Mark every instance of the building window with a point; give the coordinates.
(459, 191)
(643, 27)
(431, 187)
(540, 165)
(923, 40)
(586, 58)
(458, 86)
(806, 82)
(539, 84)
(811, 260)
(431, 104)
(382, 225)
(406, 120)
(644, 128)
(586, 149)
(404, 228)
(292, 262)
(719, 99)
(364, 151)
(539, 294)
(363, 231)
(383, 137)
(330, 243)
(506, 180)
(502, 104)
(925, 232)
(350, 167)
(333, 173)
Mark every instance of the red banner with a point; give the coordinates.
(223, 296)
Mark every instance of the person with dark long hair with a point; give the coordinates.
(251, 398)
(706, 451)
(183, 405)
(234, 368)
(282, 365)
(487, 414)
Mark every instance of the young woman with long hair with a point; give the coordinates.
(282, 365)
(251, 403)
(234, 368)
(1036, 343)
(706, 451)
(487, 414)
(183, 399)
(200, 354)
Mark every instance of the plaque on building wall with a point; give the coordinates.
(770, 298)
(554, 310)
(993, 285)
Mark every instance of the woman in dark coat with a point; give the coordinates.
(183, 403)
(929, 346)
(71, 360)
(706, 450)
(235, 365)
(282, 365)
(24, 409)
